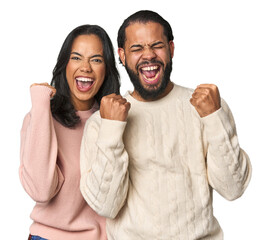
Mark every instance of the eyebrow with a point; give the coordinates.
(152, 45)
(96, 55)
(76, 53)
(157, 43)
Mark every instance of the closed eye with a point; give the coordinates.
(96, 60)
(75, 58)
(158, 45)
(136, 48)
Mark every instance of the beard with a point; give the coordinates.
(153, 92)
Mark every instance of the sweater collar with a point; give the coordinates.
(132, 100)
(86, 114)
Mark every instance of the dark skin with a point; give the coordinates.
(114, 107)
(206, 99)
(148, 42)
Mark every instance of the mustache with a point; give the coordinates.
(149, 62)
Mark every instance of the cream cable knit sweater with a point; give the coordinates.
(153, 176)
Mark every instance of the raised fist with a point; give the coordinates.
(46, 85)
(114, 107)
(206, 99)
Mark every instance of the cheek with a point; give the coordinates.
(164, 56)
(132, 58)
(101, 73)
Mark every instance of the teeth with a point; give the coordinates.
(83, 79)
(149, 68)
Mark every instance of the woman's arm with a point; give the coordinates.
(39, 173)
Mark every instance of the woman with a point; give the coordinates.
(51, 135)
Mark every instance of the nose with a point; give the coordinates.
(85, 67)
(148, 54)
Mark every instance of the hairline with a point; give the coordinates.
(143, 22)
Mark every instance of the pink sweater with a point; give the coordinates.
(50, 174)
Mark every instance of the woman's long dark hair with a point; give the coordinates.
(61, 105)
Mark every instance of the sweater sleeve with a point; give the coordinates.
(104, 163)
(39, 173)
(228, 166)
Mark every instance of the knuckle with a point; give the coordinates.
(103, 99)
(204, 98)
(213, 86)
(207, 91)
(198, 102)
(122, 107)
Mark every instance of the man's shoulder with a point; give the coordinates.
(183, 92)
(182, 88)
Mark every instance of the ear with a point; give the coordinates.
(171, 48)
(121, 55)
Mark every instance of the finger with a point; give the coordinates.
(114, 98)
(205, 85)
(117, 96)
(121, 100)
(127, 105)
(193, 101)
(53, 92)
(201, 91)
(109, 96)
(208, 86)
(117, 102)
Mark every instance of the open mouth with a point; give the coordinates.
(84, 83)
(150, 73)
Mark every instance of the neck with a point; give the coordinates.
(83, 105)
(137, 96)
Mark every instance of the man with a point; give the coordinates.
(150, 161)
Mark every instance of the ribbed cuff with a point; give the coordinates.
(216, 124)
(40, 96)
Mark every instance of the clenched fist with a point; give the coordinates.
(114, 107)
(46, 85)
(206, 99)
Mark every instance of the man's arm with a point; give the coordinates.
(228, 166)
(104, 160)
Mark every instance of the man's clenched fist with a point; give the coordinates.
(114, 107)
(206, 99)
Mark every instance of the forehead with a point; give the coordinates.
(144, 33)
(87, 43)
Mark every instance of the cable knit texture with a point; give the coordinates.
(153, 176)
(50, 174)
